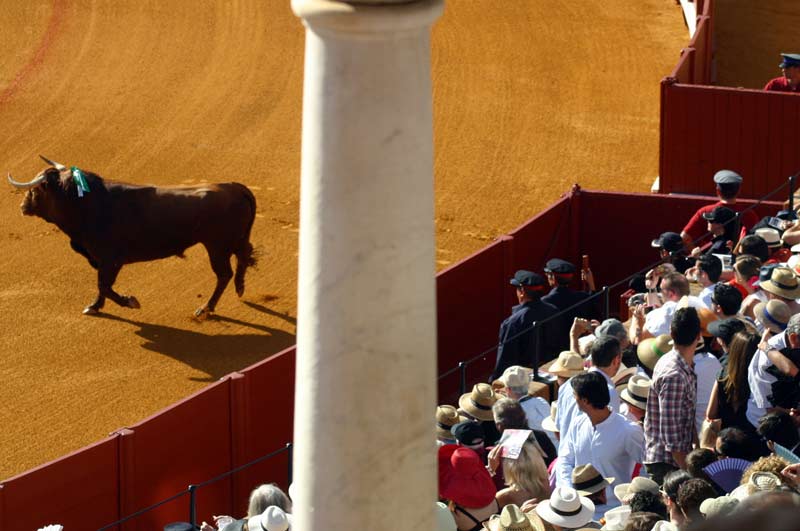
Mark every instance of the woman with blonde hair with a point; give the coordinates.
(526, 476)
(730, 393)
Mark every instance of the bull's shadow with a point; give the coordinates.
(213, 354)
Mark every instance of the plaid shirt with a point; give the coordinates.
(669, 421)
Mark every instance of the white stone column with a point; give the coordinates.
(365, 394)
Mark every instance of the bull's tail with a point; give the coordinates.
(246, 255)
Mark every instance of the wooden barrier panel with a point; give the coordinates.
(704, 129)
(79, 491)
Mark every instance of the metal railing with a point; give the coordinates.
(535, 328)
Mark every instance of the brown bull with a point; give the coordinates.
(113, 224)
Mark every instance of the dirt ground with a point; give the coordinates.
(529, 99)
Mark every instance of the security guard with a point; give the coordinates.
(790, 80)
(517, 342)
(560, 274)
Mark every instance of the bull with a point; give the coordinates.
(113, 223)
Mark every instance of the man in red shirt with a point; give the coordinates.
(727, 185)
(790, 80)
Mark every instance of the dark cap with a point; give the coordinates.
(559, 266)
(787, 215)
(725, 328)
(789, 59)
(720, 214)
(765, 272)
(527, 279)
(669, 241)
(727, 177)
(468, 433)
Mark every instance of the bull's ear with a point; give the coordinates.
(56, 165)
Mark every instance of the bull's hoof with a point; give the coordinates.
(90, 310)
(131, 302)
(202, 313)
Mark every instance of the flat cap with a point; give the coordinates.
(789, 59)
(557, 265)
(727, 177)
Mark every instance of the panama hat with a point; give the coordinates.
(651, 349)
(625, 491)
(566, 508)
(623, 374)
(511, 518)
(773, 315)
(478, 402)
(516, 376)
(718, 506)
(587, 480)
(783, 283)
(567, 364)
(463, 478)
(549, 423)
(637, 391)
(446, 418)
(616, 518)
(769, 235)
(272, 519)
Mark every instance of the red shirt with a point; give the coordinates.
(698, 226)
(781, 84)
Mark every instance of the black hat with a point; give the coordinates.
(789, 59)
(468, 433)
(725, 328)
(559, 266)
(669, 241)
(720, 214)
(727, 177)
(787, 215)
(527, 279)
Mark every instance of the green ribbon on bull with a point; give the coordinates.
(80, 180)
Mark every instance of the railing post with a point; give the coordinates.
(193, 505)
(791, 192)
(536, 346)
(606, 302)
(291, 458)
(462, 370)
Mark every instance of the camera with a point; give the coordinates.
(637, 299)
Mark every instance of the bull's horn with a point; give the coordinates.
(25, 186)
(56, 165)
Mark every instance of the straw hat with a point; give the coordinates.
(566, 508)
(478, 402)
(516, 376)
(637, 391)
(773, 315)
(549, 423)
(651, 349)
(616, 518)
(568, 364)
(511, 518)
(446, 418)
(272, 519)
(624, 491)
(463, 478)
(718, 506)
(623, 374)
(783, 283)
(587, 480)
(770, 235)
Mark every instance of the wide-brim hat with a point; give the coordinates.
(624, 491)
(566, 508)
(783, 283)
(623, 374)
(616, 518)
(567, 364)
(463, 478)
(478, 402)
(773, 315)
(446, 418)
(637, 391)
(587, 480)
(769, 235)
(549, 423)
(272, 519)
(651, 350)
(511, 518)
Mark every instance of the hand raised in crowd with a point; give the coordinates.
(764, 344)
(529, 505)
(494, 459)
(792, 474)
(580, 326)
(695, 252)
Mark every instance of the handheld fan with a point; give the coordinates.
(727, 473)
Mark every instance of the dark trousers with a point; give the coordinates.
(657, 471)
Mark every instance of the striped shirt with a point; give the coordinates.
(669, 424)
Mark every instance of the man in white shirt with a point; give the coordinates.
(600, 437)
(606, 357)
(707, 271)
(674, 287)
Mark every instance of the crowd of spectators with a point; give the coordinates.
(685, 415)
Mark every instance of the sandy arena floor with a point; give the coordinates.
(527, 101)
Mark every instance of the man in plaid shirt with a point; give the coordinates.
(669, 424)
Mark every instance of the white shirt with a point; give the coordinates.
(537, 409)
(706, 367)
(706, 295)
(568, 407)
(761, 381)
(614, 447)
